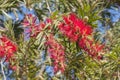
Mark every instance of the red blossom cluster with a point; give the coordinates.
(78, 31)
(30, 23)
(56, 52)
(7, 48)
(74, 27)
(92, 48)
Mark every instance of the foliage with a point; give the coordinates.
(60, 34)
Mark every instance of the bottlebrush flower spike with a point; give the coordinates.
(78, 31)
(29, 20)
(7, 48)
(32, 27)
(56, 52)
(74, 27)
(92, 48)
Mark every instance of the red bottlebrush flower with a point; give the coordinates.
(92, 48)
(29, 20)
(56, 52)
(7, 48)
(33, 28)
(78, 31)
(74, 28)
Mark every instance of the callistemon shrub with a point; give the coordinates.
(72, 28)
(7, 48)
